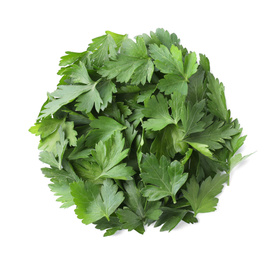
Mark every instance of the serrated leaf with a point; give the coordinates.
(167, 61)
(105, 47)
(190, 65)
(137, 210)
(111, 226)
(70, 58)
(87, 95)
(78, 74)
(52, 137)
(130, 220)
(106, 161)
(49, 158)
(95, 201)
(204, 63)
(157, 110)
(62, 96)
(109, 154)
(102, 129)
(173, 83)
(60, 184)
(171, 63)
(134, 199)
(106, 89)
(60, 146)
(165, 177)
(168, 142)
(191, 118)
(161, 36)
(170, 218)
(202, 198)
(80, 151)
(217, 101)
(236, 159)
(89, 99)
(197, 87)
(213, 136)
(202, 148)
(132, 64)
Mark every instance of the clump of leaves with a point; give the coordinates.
(137, 132)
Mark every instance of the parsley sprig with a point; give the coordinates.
(137, 133)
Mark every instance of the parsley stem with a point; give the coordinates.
(173, 198)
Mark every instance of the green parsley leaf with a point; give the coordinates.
(62, 96)
(80, 151)
(171, 63)
(70, 57)
(49, 157)
(60, 183)
(132, 63)
(105, 163)
(102, 129)
(204, 63)
(109, 154)
(169, 141)
(138, 210)
(48, 129)
(170, 218)
(95, 201)
(157, 110)
(161, 36)
(166, 177)
(217, 101)
(105, 47)
(214, 136)
(191, 116)
(202, 198)
(111, 226)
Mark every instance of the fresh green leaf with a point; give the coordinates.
(157, 110)
(106, 161)
(165, 177)
(102, 129)
(170, 218)
(191, 118)
(63, 95)
(202, 198)
(70, 57)
(197, 87)
(204, 63)
(173, 83)
(214, 136)
(105, 47)
(95, 201)
(111, 226)
(161, 36)
(48, 130)
(169, 141)
(60, 184)
(217, 101)
(190, 65)
(132, 63)
(80, 151)
(170, 62)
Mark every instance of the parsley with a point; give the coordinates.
(136, 133)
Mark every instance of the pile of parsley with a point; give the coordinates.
(137, 133)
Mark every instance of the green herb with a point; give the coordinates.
(137, 133)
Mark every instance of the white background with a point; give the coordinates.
(239, 39)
